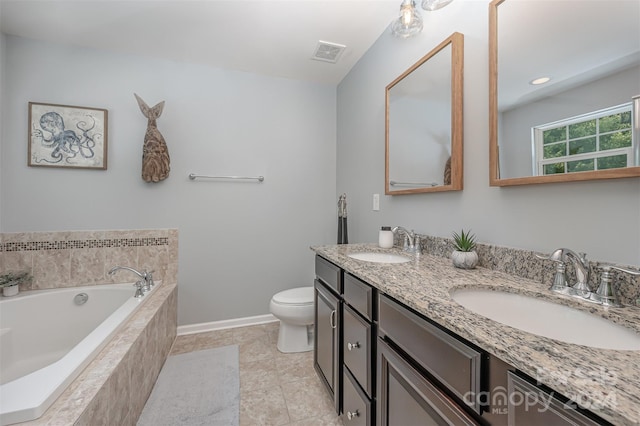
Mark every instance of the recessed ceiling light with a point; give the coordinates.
(540, 80)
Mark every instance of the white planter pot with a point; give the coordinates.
(11, 290)
(464, 259)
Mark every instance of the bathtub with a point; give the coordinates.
(47, 339)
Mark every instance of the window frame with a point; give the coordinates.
(537, 142)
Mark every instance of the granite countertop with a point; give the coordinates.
(607, 382)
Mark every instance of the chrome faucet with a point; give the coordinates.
(145, 283)
(410, 235)
(581, 265)
(606, 294)
(560, 284)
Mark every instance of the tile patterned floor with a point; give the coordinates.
(275, 388)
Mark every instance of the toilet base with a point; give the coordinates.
(294, 338)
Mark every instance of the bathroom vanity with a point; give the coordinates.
(394, 348)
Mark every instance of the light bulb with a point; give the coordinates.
(409, 23)
(406, 16)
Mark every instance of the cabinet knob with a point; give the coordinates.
(352, 415)
(351, 346)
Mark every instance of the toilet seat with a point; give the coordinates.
(300, 296)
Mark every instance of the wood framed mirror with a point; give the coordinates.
(423, 123)
(584, 123)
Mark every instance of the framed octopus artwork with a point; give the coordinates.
(67, 136)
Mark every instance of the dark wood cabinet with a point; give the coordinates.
(532, 405)
(327, 328)
(456, 365)
(405, 397)
(356, 405)
(358, 351)
(387, 364)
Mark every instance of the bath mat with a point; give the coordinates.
(196, 388)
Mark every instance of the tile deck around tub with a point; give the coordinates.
(275, 388)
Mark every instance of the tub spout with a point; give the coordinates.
(145, 276)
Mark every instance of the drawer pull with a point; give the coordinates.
(352, 415)
(332, 319)
(351, 346)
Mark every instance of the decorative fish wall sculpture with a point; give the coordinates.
(155, 154)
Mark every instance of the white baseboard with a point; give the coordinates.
(224, 324)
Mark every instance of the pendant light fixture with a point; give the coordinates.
(409, 23)
(434, 4)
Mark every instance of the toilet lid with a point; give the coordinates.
(295, 296)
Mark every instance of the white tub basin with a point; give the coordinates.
(379, 257)
(548, 319)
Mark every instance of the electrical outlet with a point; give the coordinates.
(376, 202)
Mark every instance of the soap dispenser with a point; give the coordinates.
(385, 237)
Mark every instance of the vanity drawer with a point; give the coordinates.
(541, 407)
(356, 407)
(356, 347)
(452, 362)
(329, 274)
(359, 295)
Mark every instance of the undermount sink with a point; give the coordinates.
(379, 257)
(548, 319)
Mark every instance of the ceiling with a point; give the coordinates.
(271, 37)
(535, 41)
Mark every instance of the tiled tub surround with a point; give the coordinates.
(113, 389)
(116, 384)
(605, 381)
(39, 361)
(75, 258)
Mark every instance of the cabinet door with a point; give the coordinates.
(451, 361)
(530, 405)
(326, 340)
(406, 397)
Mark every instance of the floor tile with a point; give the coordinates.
(276, 389)
(200, 341)
(263, 407)
(259, 375)
(306, 399)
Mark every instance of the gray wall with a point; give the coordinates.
(2, 102)
(601, 218)
(240, 243)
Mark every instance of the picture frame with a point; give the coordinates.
(67, 136)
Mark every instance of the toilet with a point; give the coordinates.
(294, 309)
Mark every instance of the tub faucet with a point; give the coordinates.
(146, 279)
(410, 237)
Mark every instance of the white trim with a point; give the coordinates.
(537, 140)
(224, 324)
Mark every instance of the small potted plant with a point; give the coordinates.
(464, 255)
(10, 282)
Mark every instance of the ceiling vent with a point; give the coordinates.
(328, 52)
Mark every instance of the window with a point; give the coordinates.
(598, 140)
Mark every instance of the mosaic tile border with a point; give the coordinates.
(83, 244)
(57, 259)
